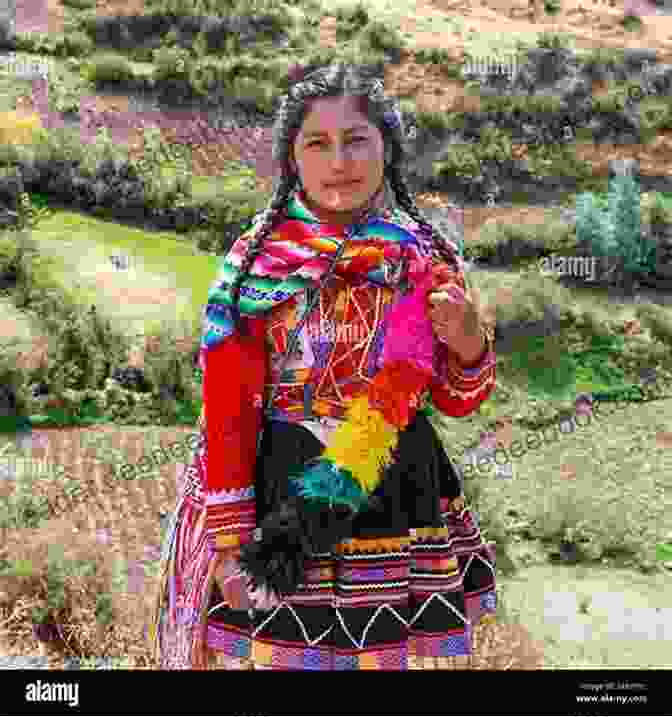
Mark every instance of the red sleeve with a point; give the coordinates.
(460, 391)
(233, 387)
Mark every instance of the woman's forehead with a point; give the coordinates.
(331, 115)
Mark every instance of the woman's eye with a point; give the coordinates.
(356, 139)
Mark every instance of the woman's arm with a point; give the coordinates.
(460, 390)
(463, 382)
(233, 387)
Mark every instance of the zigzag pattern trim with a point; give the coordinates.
(234, 495)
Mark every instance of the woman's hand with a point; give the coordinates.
(231, 582)
(235, 589)
(455, 317)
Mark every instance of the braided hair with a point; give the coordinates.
(307, 84)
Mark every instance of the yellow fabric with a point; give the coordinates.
(262, 654)
(373, 545)
(226, 541)
(363, 444)
(424, 533)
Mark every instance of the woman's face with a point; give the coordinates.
(335, 145)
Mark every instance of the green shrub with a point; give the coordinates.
(592, 227)
(108, 68)
(80, 4)
(614, 230)
(170, 39)
(351, 20)
(79, 44)
(659, 210)
(512, 103)
(655, 114)
(624, 207)
(428, 120)
(380, 37)
(613, 101)
(495, 145)
(22, 508)
(552, 7)
(171, 63)
(460, 161)
(631, 22)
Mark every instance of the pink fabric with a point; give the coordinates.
(409, 335)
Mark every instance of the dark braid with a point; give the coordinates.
(314, 83)
(272, 217)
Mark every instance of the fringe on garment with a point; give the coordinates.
(184, 590)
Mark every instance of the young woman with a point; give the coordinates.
(322, 526)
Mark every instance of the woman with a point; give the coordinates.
(364, 553)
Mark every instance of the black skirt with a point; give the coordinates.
(408, 496)
(430, 571)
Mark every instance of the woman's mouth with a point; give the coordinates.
(347, 185)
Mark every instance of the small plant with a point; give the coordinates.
(584, 604)
(170, 39)
(201, 45)
(553, 41)
(614, 101)
(552, 7)
(664, 553)
(23, 509)
(660, 212)
(631, 22)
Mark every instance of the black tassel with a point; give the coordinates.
(289, 536)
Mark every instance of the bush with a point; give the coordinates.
(612, 229)
(80, 4)
(379, 37)
(552, 7)
(351, 20)
(109, 68)
(171, 63)
(78, 44)
(63, 583)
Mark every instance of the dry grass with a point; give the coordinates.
(112, 523)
